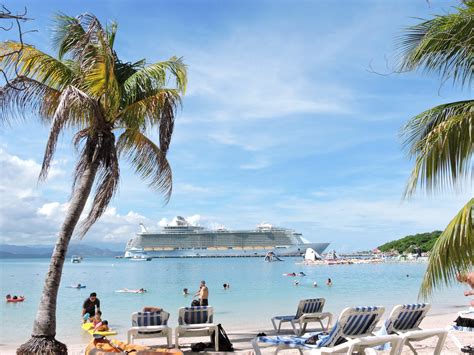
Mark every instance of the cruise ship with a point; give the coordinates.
(183, 240)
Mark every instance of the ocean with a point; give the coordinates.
(258, 290)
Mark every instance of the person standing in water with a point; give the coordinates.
(90, 306)
(203, 294)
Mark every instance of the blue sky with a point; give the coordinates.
(283, 121)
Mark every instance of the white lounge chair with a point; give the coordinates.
(150, 325)
(456, 328)
(405, 320)
(309, 310)
(353, 331)
(194, 322)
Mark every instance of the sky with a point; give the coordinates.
(292, 116)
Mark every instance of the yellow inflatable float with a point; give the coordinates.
(89, 327)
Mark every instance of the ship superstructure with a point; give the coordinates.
(181, 239)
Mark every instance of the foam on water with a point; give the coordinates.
(258, 290)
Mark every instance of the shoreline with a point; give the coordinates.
(241, 336)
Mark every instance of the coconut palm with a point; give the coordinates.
(441, 139)
(111, 106)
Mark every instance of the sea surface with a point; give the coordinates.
(258, 290)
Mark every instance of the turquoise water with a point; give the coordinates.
(258, 290)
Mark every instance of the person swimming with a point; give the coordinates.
(185, 292)
(315, 284)
(329, 282)
(301, 273)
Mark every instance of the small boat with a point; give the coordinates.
(76, 259)
(141, 258)
(15, 300)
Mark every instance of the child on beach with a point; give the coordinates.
(102, 327)
(97, 318)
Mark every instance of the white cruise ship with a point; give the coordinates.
(183, 240)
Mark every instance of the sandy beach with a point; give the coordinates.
(241, 337)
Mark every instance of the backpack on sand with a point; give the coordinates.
(224, 342)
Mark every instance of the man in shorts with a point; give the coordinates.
(203, 294)
(90, 306)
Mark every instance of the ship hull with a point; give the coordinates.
(286, 250)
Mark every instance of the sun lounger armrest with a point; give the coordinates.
(315, 317)
(319, 315)
(424, 333)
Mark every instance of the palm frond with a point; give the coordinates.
(154, 77)
(108, 179)
(74, 107)
(111, 33)
(34, 97)
(35, 65)
(452, 253)
(101, 83)
(441, 141)
(67, 33)
(149, 161)
(169, 103)
(442, 45)
(157, 109)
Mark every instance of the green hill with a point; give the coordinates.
(424, 241)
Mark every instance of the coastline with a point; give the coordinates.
(241, 336)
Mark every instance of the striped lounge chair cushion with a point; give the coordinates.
(357, 324)
(311, 306)
(195, 315)
(145, 319)
(409, 318)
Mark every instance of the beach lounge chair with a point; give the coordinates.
(353, 331)
(194, 322)
(310, 310)
(150, 325)
(458, 328)
(405, 320)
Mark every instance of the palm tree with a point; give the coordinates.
(441, 139)
(111, 106)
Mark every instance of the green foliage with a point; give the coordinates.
(440, 139)
(453, 252)
(424, 241)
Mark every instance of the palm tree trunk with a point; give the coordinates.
(43, 339)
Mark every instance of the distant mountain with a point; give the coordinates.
(424, 241)
(24, 251)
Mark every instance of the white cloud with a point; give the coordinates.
(53, 209)
(28, 215)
